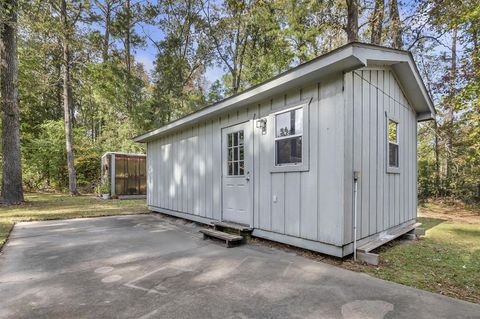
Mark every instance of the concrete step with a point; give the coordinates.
(229, 239)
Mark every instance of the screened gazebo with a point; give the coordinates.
(125, 173)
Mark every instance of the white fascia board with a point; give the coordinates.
(427, 116)
(338, 60)
(123, 153)
(405, 69)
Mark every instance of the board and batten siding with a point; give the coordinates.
(181, 175)
(184, 167)
(384, 199)
(309, 203)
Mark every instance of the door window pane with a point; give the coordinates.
(235, 168)
(235, 139)
(235, 157)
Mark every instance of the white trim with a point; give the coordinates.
(248, 140)
(127, 154)
(349, 57)
(324, 248)
(335, 61)
(404, 67)
(348, 248)
(392, 169)
(427, 116)
(195, 218)
(293, 167)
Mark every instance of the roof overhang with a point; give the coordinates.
(344, 59)
(406, 71)
(123, 153)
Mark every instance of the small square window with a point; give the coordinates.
(289, 135)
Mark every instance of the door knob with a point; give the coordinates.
(247, 177)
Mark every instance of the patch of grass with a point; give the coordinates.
(47, 206)
(445, 261)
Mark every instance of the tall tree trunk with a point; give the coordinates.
(234, 81)
(106, 36)
(438, 186)
(12, 191)
(352, 20)
(395, 25)
(450, 112)
(128, 35)
(68, 102)
(377, 22)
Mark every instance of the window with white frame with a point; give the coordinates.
(393, 151)
(288, 137)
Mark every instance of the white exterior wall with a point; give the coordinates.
(314, 208)
(184, 169)
(384, 199)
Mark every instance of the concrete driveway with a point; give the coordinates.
(148, 266)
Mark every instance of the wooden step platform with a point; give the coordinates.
(238, 228)
(364, 251)
(229, 239)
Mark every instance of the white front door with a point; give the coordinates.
(237, 168)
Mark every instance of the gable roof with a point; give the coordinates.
(349, 57)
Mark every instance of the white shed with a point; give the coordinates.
(281, 156)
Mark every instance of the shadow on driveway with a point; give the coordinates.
(147, 266)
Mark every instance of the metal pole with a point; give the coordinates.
(355, 188)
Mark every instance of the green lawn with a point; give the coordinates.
(44, 206)
(445, 261)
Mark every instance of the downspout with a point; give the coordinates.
(355, 192)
